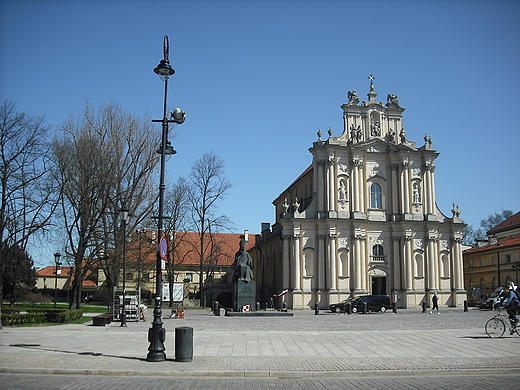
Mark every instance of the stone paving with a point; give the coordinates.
(302, 347)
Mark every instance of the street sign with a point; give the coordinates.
(163, 248)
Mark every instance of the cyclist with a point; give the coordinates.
(510, 303)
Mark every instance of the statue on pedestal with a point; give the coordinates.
(243, 264)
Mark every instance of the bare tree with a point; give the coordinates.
(471, 235)
(27, 199)
(176, 224)
(104, 160)
(208, 185)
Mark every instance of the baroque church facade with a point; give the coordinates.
(362, 219)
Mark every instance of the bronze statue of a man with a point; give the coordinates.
(243, 264)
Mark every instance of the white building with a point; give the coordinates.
(362, 219)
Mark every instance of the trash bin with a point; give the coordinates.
(184, 344)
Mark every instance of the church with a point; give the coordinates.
(362, 220)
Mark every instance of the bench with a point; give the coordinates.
(102, 319)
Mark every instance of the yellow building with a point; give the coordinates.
(494, 262)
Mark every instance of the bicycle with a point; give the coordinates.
(497, 326)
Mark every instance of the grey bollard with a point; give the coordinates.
(424, 306)
(216, 308)
(365, 307)
(316, 309)
(258, 306)
(183, 344)
(349, 308)
(465, 305)
(394, 307)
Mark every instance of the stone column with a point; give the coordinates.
(456, 257)
(297, 263)
(355, 186)
(395, 189)
(430, 262)
(429, 167)
(286, 260)
(356, 264)
(320, 188)
(333, 274)
(405, 185)
(331, 185)
(321, 263)
(396, 264)
(408, 261)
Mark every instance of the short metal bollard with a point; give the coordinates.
(465, 305)
(183, 344)
(349, 308)
(365, 307)
(394, 307)
(316, 309)
(216, 308)
(424, 306)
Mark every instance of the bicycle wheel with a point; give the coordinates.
(495, 327)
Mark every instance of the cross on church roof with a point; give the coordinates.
(371, 78)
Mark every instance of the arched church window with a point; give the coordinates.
(378, 253)
(376, 196)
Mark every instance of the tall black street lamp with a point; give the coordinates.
(58, 264)
(123, 214)
(157, 334)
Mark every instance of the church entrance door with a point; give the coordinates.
(379, 285)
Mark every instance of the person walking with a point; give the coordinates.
(435, 303)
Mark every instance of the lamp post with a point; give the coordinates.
(123, 214)
(157, 334)
(58, 264)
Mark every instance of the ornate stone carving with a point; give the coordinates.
(353, 98)
(429, 166)
(358, 163)
(375, 129)
(456, 211)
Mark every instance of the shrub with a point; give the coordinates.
(37, 316)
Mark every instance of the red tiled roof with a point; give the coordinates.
(499, 245)
(224, 246)
(50, 272)
(508, 224)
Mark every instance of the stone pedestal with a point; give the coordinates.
(244, 294)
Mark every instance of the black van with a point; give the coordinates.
(374, 303)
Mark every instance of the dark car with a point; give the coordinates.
(340, 307)
(374, 303)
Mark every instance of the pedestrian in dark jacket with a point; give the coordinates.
(435, 303)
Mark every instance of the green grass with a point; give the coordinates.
(85, 308)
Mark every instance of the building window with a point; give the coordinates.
(130, 276)
(376, 196)
(378, 253)
(508, 259)
(482, 262)
(470, 264)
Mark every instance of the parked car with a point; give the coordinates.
(340, 307)
(490, 302)
(374, 303)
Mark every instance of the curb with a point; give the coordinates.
(267, 374)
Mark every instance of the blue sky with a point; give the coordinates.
(259, 78)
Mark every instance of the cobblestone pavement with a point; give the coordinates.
(444, 382)
(304, 351)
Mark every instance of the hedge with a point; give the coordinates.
(38, 316)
